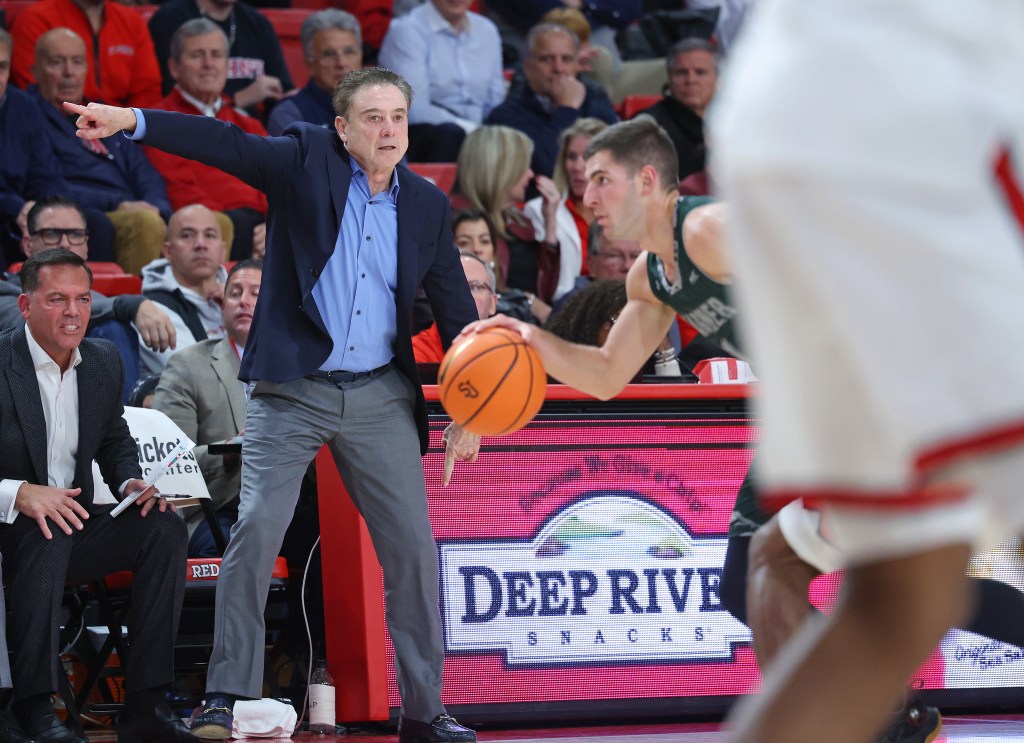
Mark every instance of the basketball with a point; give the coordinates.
(491, 382)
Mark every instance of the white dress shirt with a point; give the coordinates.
(59, 395)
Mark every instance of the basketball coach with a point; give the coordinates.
(351, 235)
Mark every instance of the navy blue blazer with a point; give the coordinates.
(306, 175)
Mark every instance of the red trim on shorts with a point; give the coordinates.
(984, 442)
(1007, 180)
(881, 498)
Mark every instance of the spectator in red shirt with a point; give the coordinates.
(122, 64)
(199, 65)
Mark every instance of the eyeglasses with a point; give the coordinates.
(479, 287)
(52, 235)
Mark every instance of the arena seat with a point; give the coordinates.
(441, 175)
(631, 105)
(146, 11)
(108, 278)
(11, 8)
(287, 23)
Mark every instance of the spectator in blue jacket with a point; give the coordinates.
(332, 44)
(553, 97)
(111, 174)
(29, 171)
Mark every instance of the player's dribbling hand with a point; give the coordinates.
(498, 321)
(458, 444)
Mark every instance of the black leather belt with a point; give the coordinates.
(340, 376)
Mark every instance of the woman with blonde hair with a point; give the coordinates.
(572, 217)
(493, 175)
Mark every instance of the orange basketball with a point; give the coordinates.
(492, 382)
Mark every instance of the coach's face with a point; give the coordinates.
(57, 311)
(376, 130)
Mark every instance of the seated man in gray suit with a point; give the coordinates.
(200, 391)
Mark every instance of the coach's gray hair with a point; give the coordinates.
(195, 27)
(367, 77)
(323, 20)
(6, 40)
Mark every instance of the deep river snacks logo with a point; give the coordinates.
(611, 578)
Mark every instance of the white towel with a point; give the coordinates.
(263, 718)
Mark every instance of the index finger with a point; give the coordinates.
(74, 108)
(449, 465)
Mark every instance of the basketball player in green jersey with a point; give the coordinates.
(631, 169)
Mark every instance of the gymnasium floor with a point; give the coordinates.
(956, 729)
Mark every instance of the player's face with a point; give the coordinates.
(57, 312)
(194, 245)
(202, 69)
(61, 69)
(475, 237)
(612, 194)
(335, 54)
(693, 79)
(58, 218)
(376, 131)
(576, 165)
(240, 295)
(480, 285)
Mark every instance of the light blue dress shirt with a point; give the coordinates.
(456, 77)
(356, 290)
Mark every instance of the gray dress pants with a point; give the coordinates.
(370, 429)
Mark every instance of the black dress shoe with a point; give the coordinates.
(155, 724)
(11, 733)
(442, 729)
(42, 725)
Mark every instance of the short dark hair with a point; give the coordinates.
(254, 263)
(636, 143)
(51, 202)
(57, 257)
(356, 80)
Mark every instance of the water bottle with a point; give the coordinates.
(321, 701)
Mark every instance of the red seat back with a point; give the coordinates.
(287, 23)
(111, 285)
(631, 105)
(441, 175)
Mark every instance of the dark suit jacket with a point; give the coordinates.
(103, 434)
(306, 175)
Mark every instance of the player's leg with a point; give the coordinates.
(852, 691)
(778, 582)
